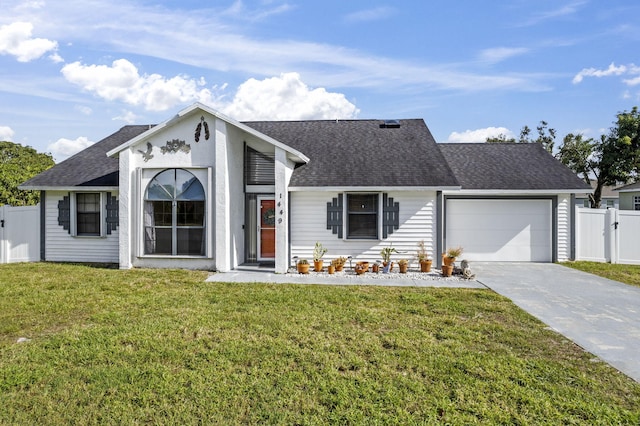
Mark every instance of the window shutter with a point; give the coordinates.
(112, 213)
(259, 168)
(64, 213)
(334, 215)
(390, 215)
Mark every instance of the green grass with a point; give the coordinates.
(628, 274)
(164, 347)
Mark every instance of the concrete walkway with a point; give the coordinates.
(600, 315)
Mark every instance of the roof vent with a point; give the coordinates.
(390, 124)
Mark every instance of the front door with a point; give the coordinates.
(266, 228)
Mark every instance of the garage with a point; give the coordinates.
(511, 230)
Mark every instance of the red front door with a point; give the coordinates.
(266, 229)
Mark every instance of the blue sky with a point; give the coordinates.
(74, 71)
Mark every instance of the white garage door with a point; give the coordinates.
(500, 230)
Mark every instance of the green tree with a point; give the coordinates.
(17, 164)
(612, 159)
(546, 136)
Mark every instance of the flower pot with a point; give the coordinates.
(446, 260)
(339, 268)
(403, 267)
(375, 268)
(425, 265)
(361, 267)
(303, 268)
(317, 265)
(447, 270)
(331, 269)
(384, 265)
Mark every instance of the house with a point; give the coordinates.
(204, 191)
(629, 196)
(608, 197)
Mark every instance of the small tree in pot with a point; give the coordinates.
(386, 256)
(318, 252)
(423, 257)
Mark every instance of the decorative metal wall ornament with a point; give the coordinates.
(147, 155)
(175, 145)
(202, 124)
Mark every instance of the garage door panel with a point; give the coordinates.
(500, 230)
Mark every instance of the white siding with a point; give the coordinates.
(60, 246)
(564, 228)
(309, 224)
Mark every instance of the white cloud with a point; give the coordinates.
(498, 54)
(593, 72)
(63, 148)
(286, 97)
(127, 116)
(6, 134)
(122, 82)
(366, 15)
(16, 40)
(479, 135)
(85, 110)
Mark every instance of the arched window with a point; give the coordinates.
(174, 214)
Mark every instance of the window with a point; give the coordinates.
(610, 203)
(362, 216)
(88, 214)
(636, 202)
(174, 214)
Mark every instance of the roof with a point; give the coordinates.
(362, 153)
(509, 166)
(632, 187)
(89, 167)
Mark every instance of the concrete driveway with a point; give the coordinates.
(600, 315)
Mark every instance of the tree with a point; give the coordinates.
(612, 159)
(17, 164)
(546, 136)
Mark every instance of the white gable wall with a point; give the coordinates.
(309, 224)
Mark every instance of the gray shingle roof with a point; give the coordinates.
(361, 153)
(509, 166)
(90, 167)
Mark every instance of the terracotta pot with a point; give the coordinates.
(317, 265)
(361, 267)
(425, 265)
(446, 260)
(375, 268)
(303, 268)
(403, 267)
(384, 264)
(331, 269)
(447, 270)
(339, 268)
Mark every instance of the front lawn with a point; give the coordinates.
(629, 274)
(164, 347)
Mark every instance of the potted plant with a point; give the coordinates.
(318, 252)
(449, 258)
(447, 270)
(339, 263)
(403, 264)
(423, 257)
(303, 266)
(386, 256)
(331, 268)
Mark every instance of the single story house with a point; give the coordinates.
(204, 191)
(629, 196)
(608, 198)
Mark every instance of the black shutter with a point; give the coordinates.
(64, 213)
(334, 216)
(112, 213)
(259, 168)
(390, 215)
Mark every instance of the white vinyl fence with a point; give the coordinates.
(19, 234)
(608, 235)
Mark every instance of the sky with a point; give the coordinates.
(73, 72)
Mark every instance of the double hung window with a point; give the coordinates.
(362, 216)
